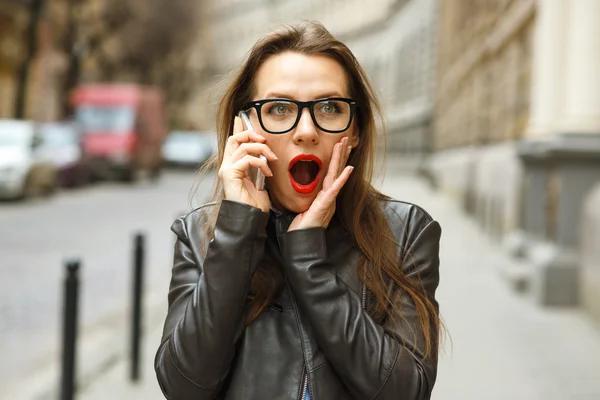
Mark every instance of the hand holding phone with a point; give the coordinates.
(256, 175)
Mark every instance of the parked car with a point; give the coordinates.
(189, 149)
(124, 126)
(63, 146)
(25, 171)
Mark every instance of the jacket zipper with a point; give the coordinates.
(304, 374)
(364, 296)
(305, 385)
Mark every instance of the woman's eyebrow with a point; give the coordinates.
(287, 96)
(278, 95)
(330, 94)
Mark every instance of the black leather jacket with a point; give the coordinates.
(321, 332)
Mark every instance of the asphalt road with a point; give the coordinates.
(97, 225)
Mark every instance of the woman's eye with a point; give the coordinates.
(328, 108)
(279, 109)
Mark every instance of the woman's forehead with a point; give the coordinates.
(301, 77)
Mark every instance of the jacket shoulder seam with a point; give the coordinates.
(184, 221)
(419, 208)
(212, 203)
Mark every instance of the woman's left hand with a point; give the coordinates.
(322, 208)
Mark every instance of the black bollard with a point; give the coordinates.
(69, 345)
(136, 322)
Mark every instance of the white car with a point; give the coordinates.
(189, 148)
(24, 169)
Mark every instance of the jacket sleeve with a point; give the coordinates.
(373, 361)
(206, 300)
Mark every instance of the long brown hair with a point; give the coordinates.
(358, 204)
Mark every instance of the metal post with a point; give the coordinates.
(71, 298)
(136, 327)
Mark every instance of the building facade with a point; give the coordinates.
(517, 135)
(482, 105)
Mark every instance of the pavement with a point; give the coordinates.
(95, 224)
(116, 382)
(500, 344)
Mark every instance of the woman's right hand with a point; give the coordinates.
(241, 153)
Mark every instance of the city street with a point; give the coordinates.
(501, 346)
(97, 225)
(490, 120)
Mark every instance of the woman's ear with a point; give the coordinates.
(354, 140)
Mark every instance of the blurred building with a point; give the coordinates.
(32, 58)
(482, 105)
(393, 39)
(399, 52)
(497, 101)
(517, 135)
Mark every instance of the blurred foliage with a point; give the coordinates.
(148, 42)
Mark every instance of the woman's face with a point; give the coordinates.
(297, 175)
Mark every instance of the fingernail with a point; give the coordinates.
(349, 148)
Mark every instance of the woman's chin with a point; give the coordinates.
(296, 204)
(300, 206)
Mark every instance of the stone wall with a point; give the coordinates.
(590, 254)
(482, 106)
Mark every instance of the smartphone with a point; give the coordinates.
(256, 175)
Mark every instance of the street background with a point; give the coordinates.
(96, 226)
(493, 126)
(500, 346)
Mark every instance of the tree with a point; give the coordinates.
(147, 42)
(35, 7)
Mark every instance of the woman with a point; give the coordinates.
(318, 287)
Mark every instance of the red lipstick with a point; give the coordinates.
(309, 188)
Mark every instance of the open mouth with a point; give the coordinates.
(304, 173)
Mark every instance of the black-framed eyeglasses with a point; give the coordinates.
(331, 115)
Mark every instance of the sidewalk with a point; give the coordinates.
(115, 383)
(502, 345)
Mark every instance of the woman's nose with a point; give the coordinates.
(306, 132)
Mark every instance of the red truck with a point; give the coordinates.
(124, 126)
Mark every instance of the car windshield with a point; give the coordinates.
(116, 119)
(14, 134)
